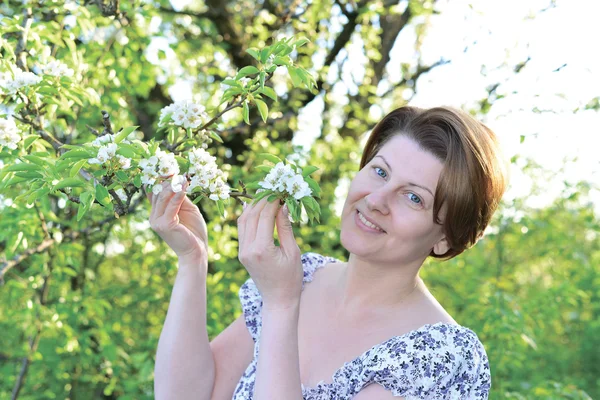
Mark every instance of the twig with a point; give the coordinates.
(42, 295)
(20, 51)
(106, 122)
(68, 236)
(230, 106)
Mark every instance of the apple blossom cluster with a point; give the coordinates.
(183, 113)
(9, 133)
(56, 68)
(9, 84)
(282, 178)
(160, 165)
(204, 174)
(107, 151)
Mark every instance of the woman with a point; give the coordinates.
(428, 184)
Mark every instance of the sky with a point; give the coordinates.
(484, 40)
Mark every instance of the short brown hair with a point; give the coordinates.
(474, 176)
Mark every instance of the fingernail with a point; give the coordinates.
(244, 205)
(285, 210)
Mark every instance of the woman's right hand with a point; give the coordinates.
(178, 222)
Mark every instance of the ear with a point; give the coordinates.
(441, 247)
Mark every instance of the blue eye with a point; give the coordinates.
(415, 199)
(381, 170)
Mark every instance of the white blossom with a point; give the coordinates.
(244, 81)
(283, 179)
(177, 183)
(183, 113)
(9, 133)
(102, 140)
(297, 187)
(56, 68)
(121, 193)
(10, 84)
(124, 162)
(105, 154)
(156, 189)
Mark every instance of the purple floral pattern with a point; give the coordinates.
(436, 361)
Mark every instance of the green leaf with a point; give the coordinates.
(230, 82)
(306, 171)
(137, 181)
(221, 208)
(264, 54)
(127, 150)
(122, 176)
(124, 133)
(69, 182)
(76, 167)
(22, 167)
(293, 208)
(316, 191)
(215, 136)
(171, 135)
(270, 157)
(296, 79)
(254, 53)
(14, 180)
(267, 91)
(246, 113)
(37, 160)
(261, 195)
(80, 211)
(262, 78)
(29, 140)
(248, 70)
(262, 109)
(301, 42)
(282, 60)
(102, 195)
(29, 175)
(264, 168)
(36, 194)
(77, 154)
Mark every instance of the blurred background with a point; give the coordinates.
(81, 316)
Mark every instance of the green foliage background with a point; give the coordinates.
(81, 317)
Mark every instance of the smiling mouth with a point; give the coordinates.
(368, 224)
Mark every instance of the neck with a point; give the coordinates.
(365, 288)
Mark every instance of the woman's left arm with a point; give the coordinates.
(278, 274)
(278, 370)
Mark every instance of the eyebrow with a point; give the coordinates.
(409, 183)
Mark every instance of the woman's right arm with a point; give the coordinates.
(185, 367)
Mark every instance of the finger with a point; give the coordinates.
(252, 220)
(163, 198)
(241, 225)
(285, 232)
(266, 222)
(154, 200)
(174, 204)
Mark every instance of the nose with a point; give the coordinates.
(377, 200)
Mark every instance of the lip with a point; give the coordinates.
(363, 226)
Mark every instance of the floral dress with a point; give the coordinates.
(435, 361)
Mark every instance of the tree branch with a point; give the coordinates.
(21, 51)
(69, 236)
(421, 69)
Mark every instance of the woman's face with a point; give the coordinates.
(395, 191)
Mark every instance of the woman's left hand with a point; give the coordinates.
(276, 270)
